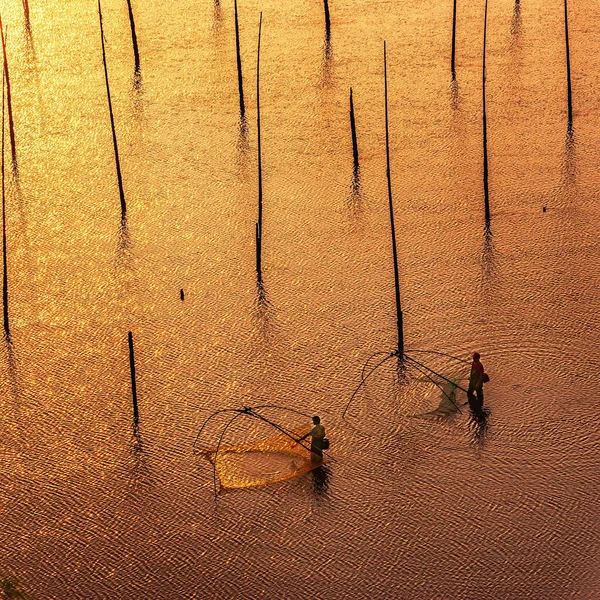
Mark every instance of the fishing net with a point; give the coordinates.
(449, 402)
(262, 462)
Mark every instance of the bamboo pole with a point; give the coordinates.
(136, 52)
(569, 97)
(391, 206)
(112, 122)
(353, 128)
(452, 60)
(4, 253)
(136, 415)
(486, 190)
(11, 123)
(239, 62)
(260, 190)
(327, 19)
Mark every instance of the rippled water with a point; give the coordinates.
(406, 508)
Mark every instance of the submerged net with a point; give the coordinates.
(263, 462)
(449, 403)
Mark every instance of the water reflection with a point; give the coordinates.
(320, 480)
(124, 246)
(140, 473)
(488, 260)
(243, 144)
(515, 24)
(327, 63)
(478, 426)
(569, 156)
(264, 312)
(217, 16)
(454, 94)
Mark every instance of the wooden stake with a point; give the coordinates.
(239, 62)
(389, 182)
(4, 255)
(11, 123)
(452, 65)
(112, 122)
(136, 415)
(353, 128)
(136, 52)
(260, 191)
(569, 98)
(486, 190)
(327, 20)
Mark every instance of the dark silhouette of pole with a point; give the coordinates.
(11, 123)
(327, 19)
(486, 190)
(353, 128)
(260, 191)
(136, 415)
(452, 65)
(4, 255)
(239, 61)
(569, 98)
(136, 52)
(389, 185)
(112, 122)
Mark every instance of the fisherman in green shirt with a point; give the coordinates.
(317, 434)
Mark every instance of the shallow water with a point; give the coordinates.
(92, 508)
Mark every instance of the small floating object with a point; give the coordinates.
(543, 209)
(181, 294)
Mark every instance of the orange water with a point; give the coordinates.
(410, 508)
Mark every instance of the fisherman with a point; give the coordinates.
(476, 381)
(317, 434)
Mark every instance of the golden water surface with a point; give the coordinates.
(408, 508)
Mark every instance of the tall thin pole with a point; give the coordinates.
(353, 128)
(569, 98)
(11, 124)
(136, 52)
(452, 65)
(239, 61)
(327, 19)
(486, 191)
(260, 191)
(4, 255)
(136, 415)
(389, 184)
(112, 122)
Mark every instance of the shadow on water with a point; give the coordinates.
(516, 23)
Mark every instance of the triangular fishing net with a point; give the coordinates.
(449, 403)
(262, 462)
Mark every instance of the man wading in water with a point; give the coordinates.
(317, 434)
(476, 380)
